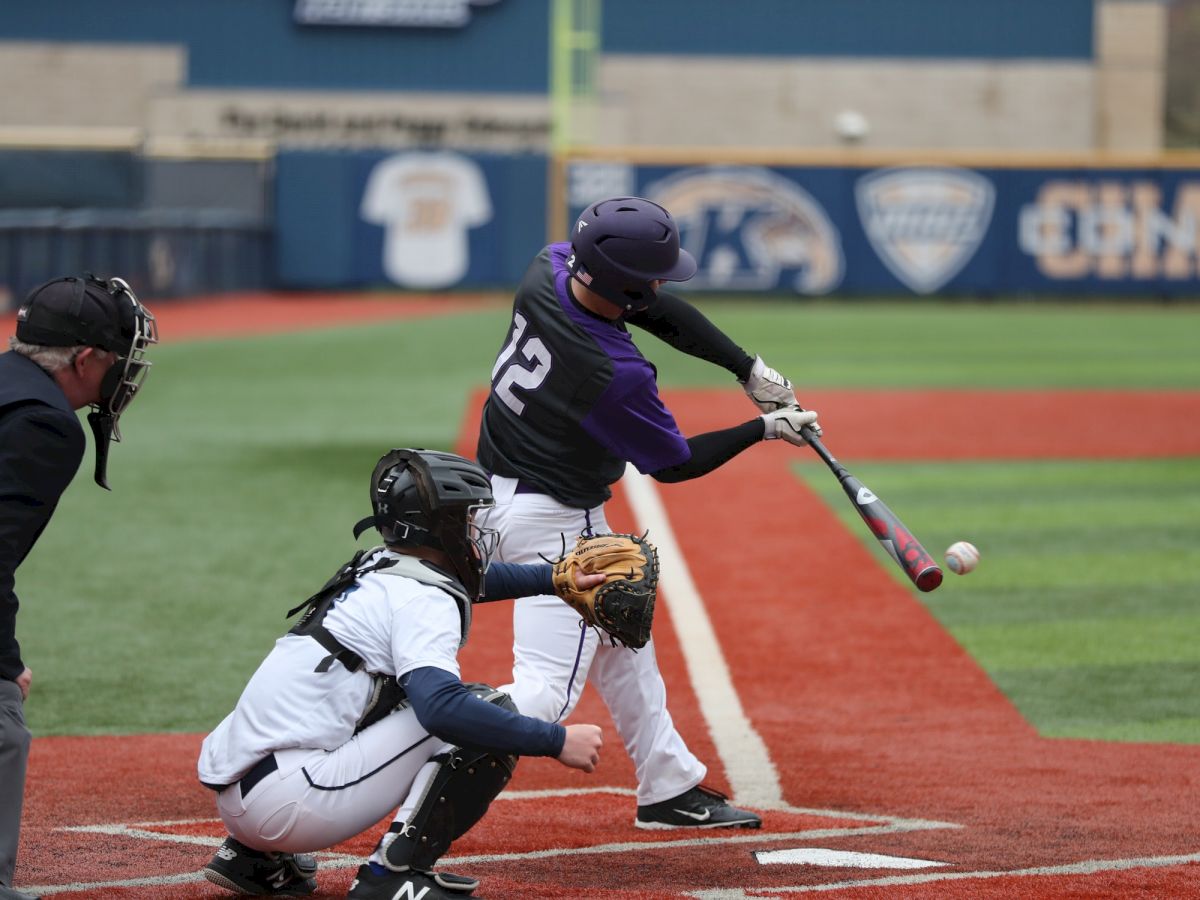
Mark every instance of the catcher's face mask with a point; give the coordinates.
(483, 541)
(470, 548)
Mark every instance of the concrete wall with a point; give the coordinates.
(61, 85)
(795, 103)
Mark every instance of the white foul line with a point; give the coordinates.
(1086, 867)
(752, 775)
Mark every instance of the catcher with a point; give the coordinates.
(359, 708)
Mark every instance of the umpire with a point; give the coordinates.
(79, 342)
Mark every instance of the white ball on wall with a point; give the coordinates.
(851, 125)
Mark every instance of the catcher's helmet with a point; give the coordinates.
(425, 498)
(95, 312)
(624, 244)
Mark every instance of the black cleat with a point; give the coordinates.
(700, 807)
(257, 873)
(368, 885)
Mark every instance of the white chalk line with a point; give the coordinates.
(328, 860)
(1086, 867)
(752, 775)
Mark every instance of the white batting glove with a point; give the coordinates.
(767, 389)
(786, 424)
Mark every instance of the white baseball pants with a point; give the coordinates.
(554, 655)
(319, 798)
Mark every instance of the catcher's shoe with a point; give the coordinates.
(701, 807)
(378, 883)
(257, 873)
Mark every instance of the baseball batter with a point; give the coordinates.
(359, 708)
(572, 401)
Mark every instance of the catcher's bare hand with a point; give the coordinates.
(584, 581)
(581, 750)
(622, 603)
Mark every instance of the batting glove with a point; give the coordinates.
(767, 389)
(786, 424)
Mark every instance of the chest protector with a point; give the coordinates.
(364, 562)
(386, 692)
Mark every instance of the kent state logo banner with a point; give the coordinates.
(751, 229)
(925, 224)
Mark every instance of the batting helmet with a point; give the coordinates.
(622, 246)
(425, 498)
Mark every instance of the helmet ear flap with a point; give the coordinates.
(386, 517)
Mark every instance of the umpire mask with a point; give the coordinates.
(95, 312)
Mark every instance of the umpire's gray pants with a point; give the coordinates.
(14, 752)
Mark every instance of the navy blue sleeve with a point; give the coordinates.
(507, 580)
(446, 709)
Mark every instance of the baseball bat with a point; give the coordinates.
(897, 540)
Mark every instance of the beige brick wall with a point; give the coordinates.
(794, 104)
(84, 85)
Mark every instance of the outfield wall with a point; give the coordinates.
(886, 225)
(842, 224)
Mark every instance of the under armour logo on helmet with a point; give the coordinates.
(582, 225)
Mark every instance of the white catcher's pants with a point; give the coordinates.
(554, 655)
(316, 799)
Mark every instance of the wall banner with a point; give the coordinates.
(924, 229)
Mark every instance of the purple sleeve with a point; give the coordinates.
(631, 421)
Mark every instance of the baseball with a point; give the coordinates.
(961, 557)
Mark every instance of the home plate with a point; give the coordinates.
(816, 856)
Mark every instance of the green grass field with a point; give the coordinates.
(246, 461)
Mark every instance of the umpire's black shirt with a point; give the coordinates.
(41, 447)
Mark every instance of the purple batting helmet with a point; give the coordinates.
(624, 244)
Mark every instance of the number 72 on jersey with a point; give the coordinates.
(523, 363)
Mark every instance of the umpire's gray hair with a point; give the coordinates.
(52, 359)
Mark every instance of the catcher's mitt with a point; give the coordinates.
(623, 605)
